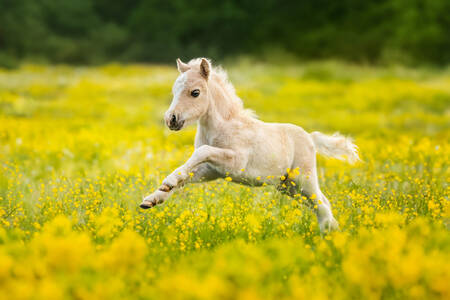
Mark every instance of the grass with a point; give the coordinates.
(80, 147)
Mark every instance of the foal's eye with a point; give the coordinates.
(195, 93)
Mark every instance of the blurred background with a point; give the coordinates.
(84, 85)
(97, 31)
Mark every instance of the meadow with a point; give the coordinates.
(81, 146)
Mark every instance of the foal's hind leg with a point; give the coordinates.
(310, 188)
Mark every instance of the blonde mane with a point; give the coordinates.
(229, 104)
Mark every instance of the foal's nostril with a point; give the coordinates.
(173, 120)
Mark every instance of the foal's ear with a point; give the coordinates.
(205, 68)
(182, 67)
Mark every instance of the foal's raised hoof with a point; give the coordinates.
(146, 205)
(157, 197)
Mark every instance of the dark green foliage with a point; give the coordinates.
(95, 31)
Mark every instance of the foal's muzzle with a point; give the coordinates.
(174, 122)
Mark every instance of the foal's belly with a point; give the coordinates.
(267, 162)
(260, 169)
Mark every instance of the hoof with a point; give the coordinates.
(154, 199)
(329, 225)
(146, 205)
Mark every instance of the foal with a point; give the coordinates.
(230, 141)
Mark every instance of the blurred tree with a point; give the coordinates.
(422, 30)
(21, 30)
(95, 31)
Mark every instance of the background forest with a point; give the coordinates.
(95, 32)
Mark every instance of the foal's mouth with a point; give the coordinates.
(177, 126)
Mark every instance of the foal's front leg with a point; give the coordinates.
(224, 158)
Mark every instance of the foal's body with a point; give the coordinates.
(231, 142)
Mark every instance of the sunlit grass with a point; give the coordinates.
(80, 147)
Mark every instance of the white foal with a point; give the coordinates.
(230, 141)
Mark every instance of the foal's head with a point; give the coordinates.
(190, 94)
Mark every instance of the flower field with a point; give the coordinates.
(80, 147)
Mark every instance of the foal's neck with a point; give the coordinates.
(223, 106)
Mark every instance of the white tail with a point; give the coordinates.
(336, 146)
